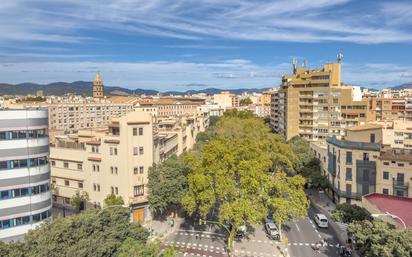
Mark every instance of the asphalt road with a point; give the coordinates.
(304, 234)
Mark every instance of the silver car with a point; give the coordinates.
(272, 231)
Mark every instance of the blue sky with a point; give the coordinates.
(179, 44)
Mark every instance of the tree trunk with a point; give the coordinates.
(280, 230)
(230, 240)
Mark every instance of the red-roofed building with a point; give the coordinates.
(388, 204)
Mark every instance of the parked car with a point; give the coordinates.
(272, 231)
(321, 220)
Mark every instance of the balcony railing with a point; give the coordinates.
(399, 184)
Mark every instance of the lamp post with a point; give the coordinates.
(393, 216)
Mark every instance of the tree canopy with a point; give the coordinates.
(79, 200)
(242, 174)
(380, 239)
(349, 213)
(301, 147)
(112, 199)
(312, 171)
(245, 101)
(167, 184)
(92, 233)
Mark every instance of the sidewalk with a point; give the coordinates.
(162, 228)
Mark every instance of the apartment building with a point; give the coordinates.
(408, 109)
(116, 159)
(25, 197)
(387, 108)
(172, 106)
(361, 164)
(226, 100)
(274, 110)
(314, 104)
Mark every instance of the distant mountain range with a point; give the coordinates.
(85, 88)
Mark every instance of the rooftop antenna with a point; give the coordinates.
(294, 63)
(339, 57)
(305, 63)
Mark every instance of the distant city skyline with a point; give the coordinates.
(187, 44)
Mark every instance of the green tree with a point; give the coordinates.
(112, 199)
(380, 239)
(242, 175)
(92, 233)
(167, 185)
(136, 248)
(79, 200)
(245, 101)
(301, 147)
(349, 213)
(312, 171)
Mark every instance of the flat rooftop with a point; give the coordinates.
(399, 206)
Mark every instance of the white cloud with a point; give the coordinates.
(281, 20)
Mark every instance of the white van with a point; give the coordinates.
(321, 220)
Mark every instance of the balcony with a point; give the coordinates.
(400, 185)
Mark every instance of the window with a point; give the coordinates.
(401, 164)
(116, 189)
(348, 189)
(348, 157)
(138, 190)
(80, 185)
(134, 131)
(385, 191)
(141, 169)
(366, 156)
(349, 174)
(385, 175)
(66, 182)
(94, 187)
(135, 151)
(53, 163)
(111, 169)
(112, 189)
(140, 131)
(135, 170)
(79, 166)
(98, 187)
(115, 151)
(97, 168)
(66, 164)
(386, 163)
(67, 200)
(141, 150)
(399, 142)
(111, 150)
(372, 138)
(94, 167)
(115, 170)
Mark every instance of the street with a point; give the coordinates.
(191, 239)
(304, 234)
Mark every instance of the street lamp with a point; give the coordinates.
(393, 216)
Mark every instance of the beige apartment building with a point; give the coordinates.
(226, 100)
(361, 164)
(387, 108)
(116, 159)
(314, 104)
(171, 106)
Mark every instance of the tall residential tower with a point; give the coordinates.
(25, 197)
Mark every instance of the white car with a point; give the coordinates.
(321, 220)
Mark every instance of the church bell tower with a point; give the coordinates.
(98, 88)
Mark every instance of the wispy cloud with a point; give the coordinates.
(281, 20)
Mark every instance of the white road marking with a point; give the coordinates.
(259, 241)
(300, 243)
(297, 227)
